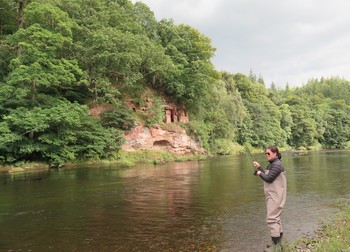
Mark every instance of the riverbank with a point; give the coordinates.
(333, 236)
(125, 159)
(122, 159)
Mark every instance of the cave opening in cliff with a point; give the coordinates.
(161, 144)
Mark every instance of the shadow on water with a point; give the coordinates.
(23, 177)
(211, 205)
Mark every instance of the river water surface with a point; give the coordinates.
(211, 205)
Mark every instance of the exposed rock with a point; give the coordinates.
(174, 140)
(97, 110)
(175, 114)
(172, 112)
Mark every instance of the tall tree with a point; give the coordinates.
(8, 17)
(38, 121)
(191, 52)
(265, 115)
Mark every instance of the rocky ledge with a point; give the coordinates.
(174, 140)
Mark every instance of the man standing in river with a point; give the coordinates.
(275, 189)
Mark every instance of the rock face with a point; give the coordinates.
(175, 140)
(175, 114)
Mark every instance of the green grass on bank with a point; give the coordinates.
(332, 237)
(122, 159)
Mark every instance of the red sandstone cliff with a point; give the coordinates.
(175, 140)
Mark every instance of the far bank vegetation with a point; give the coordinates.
(60, 60)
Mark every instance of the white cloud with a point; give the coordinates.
(185, 10)
(284, 41)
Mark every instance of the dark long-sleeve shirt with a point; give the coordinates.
(274, 169)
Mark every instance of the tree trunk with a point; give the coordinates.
(20, 8)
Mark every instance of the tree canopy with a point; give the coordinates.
(58, 59)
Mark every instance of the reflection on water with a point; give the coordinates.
(212, 205)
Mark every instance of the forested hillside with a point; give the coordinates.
(61, 58)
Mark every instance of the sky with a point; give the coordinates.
(284, 41)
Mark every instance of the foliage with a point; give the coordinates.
(200, 131)
(155, 114)
(8, 17)
(119, 117)
(265, 115)
(222, 146)
(191, 52)
(58, 134)
(59, 57)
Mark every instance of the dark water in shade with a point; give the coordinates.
(212, 205)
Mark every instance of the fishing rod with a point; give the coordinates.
(249, 154)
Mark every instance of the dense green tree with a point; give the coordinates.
(191, 52)
(8, 17)
(38, 122)
(318, 117)
(60, 133)
(304, 127)
(231, 100)
(58, 56)
(286, 122)
(38, 66)
(116, 45)
(266, 116)
(146, 18)
(222, 113)
(334, 88)
(332, 119)
(246, 87)
(6, 55)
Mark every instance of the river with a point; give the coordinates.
(209, 205)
